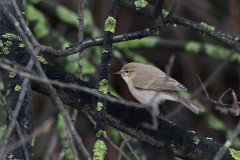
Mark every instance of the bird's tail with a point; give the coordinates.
(189, 104)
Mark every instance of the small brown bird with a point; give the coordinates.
(151, 86)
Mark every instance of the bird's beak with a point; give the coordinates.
(118, 72)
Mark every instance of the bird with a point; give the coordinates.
(151, 86)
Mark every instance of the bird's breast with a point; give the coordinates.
(151, 97)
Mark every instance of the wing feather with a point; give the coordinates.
(157, 83)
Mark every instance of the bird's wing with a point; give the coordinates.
(157, 83)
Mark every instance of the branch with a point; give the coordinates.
(129, 120)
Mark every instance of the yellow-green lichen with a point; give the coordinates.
(104, 51)
(192, 131)
(12, 74)
(33, 140)
(41, 59)
(103, 86)
(235, 154)
(16, 23)
(79, 100)
(17, 88)
(209, 138)
(236, 39)
(110, 24)
(21, 45)
(102, 132)
(8, 43)
(99, 150)
(140, 4)
(165, 13)
(196, 140)
(208, 26)
(23, 13)
(11, 36)
(192, 47)
(99, 106)
(216, 52)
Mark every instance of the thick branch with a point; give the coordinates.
(167, 137)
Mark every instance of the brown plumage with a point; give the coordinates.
(151, 86)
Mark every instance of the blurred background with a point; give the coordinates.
(55, 24)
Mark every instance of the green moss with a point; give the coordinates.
(33, 140)
(235, 154)
(110, 24)
(104, 51)
(140, 4)
(192, 47)
(21, 45)
(208, 26)
(165, 13)
(102, 132)
(103, 86)
(196, 140)
(17, 88)
(214, 122)
(40, 29)
(67, 16)
(41, 59)
(12, 74)
(99, 106)
(99, 150)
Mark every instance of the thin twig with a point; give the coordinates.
(17, 127)
(53, 92)
(109, 140)
(129, 146)
(46, 127)
(71, 86)
(24, 24)
(16, 112)
(53, 141)
(228, 143)
(125, 140)
(170, 14)
(208, 81)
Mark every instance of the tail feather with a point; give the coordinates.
(189, 104)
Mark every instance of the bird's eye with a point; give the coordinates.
(127, 71)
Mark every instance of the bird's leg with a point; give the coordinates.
(154, 113)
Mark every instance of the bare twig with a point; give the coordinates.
(46, 127)
(24, 25)
(14, 114)
(125, 140)
(228, 143)
(170, 14)
(129, 146)
(53, 93)
(108, 139)
(53, 141)
(209, 80)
